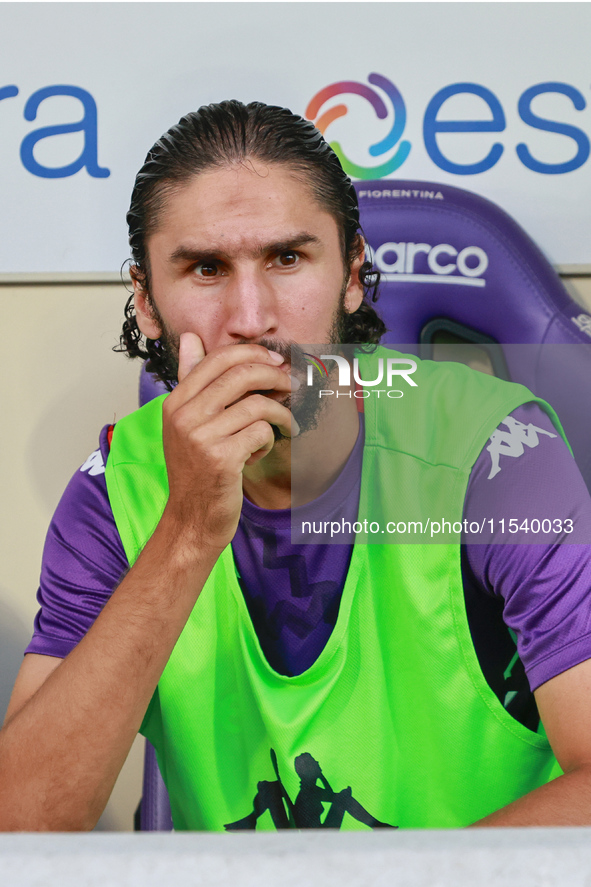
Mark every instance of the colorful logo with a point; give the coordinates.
(323, 121)
(312, 360)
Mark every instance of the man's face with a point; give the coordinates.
(246, 255)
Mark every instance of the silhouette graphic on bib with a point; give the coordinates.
(307, 810)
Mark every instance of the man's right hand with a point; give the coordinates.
(215, 422)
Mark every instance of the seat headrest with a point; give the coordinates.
(447, 252)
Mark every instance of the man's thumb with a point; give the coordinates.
(191, 352)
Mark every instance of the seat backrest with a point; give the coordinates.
(455, 267)
(153, 813)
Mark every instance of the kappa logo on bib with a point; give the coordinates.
(308, 807)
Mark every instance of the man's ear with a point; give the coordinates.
(144, 313)
(354, 291)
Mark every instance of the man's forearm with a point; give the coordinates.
(61, 753)
(564, 801)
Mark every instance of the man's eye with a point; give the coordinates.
(288, 258)
(207, 269)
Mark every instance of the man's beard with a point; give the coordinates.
(305, 404)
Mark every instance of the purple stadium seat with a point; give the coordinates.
(456, 268)
(153, 812)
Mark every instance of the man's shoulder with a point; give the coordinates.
(137, 437)
(445, 416)
(452, 377)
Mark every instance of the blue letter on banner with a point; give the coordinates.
(88, 125)
(573, 132)
(431, 126)
(8, 92)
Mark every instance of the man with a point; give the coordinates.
(259, 669)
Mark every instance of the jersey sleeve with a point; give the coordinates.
(528, 474)
(83, 560)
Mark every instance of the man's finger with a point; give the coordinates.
(213, 367)
(191, 352)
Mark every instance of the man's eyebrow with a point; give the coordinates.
(195, 255)
(281, 246)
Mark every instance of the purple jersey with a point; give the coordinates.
(293, 592)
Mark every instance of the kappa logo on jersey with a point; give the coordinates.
(94, 464)
(512, 442)
(583, 321)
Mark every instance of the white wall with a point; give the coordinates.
(61, 384)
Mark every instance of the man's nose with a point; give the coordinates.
(251, 307)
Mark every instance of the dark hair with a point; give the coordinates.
(221, 135)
